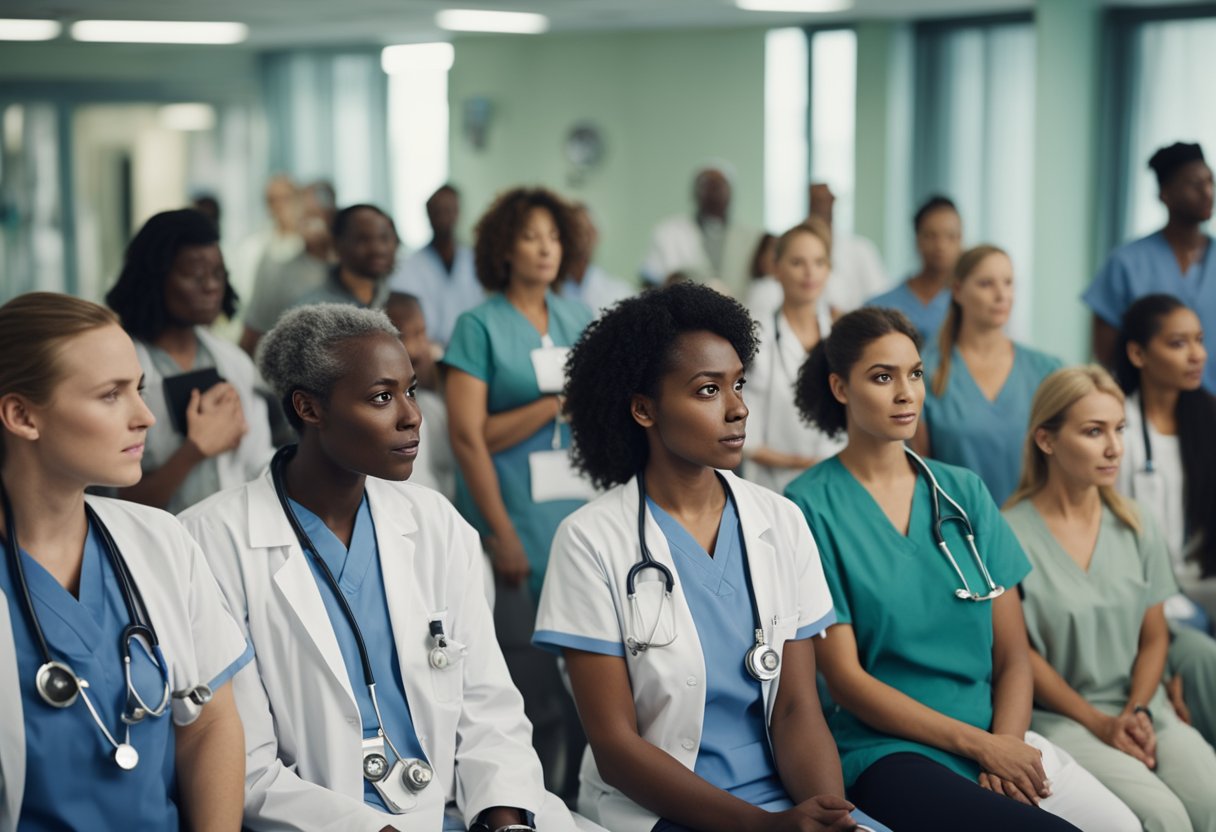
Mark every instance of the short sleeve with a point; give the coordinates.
(577, 606)
(220, 648)
(1107, 295)
(1155, 559)
(469, 348)
(815, 610)
(995, 541)
(829, 558)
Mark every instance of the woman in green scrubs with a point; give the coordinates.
(934, 690)
(1094, 609)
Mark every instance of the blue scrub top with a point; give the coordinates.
(493, 342)
(926, 317)
(443, 294)
(897, 592)
(1148, 266)
(968, 429)
(357, 571)
(71, 779)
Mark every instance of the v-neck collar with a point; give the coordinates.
(349, 566)
(1060, 553)
(1198, 269)
(920, 498)
(710, 569)
(83, 616)
(964, 372)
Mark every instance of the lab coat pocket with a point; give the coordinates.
(445, 659)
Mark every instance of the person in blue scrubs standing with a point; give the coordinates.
(346, 578)
(1178, 260)
(153, 744)
(925, 296)
(979, 382)
(928, 660)
(504, 371)
(682, 735)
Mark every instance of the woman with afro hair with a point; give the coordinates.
(684, 599)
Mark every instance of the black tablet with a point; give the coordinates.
(178, 389)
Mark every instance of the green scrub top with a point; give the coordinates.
(493, 342)
(897, 592)
(1086, 624)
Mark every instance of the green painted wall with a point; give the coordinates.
(665, 103)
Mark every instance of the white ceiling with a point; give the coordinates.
(314, 22)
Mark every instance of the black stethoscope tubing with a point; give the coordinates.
(1148, 443)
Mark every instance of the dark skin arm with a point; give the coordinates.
(656, 780)
(1105, 342)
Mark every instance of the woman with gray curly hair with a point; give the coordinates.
(345, 575)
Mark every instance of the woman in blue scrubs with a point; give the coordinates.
(978, 381)
(160, 745)
(346, 576)
(934, 690)
(682, 735)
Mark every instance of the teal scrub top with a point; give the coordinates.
(926, 317)
(1086, 623)
(897, 592)
(968, 429)
(493, 342)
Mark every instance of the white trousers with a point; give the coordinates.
(1077, 796)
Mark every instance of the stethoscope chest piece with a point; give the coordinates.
(57, 684)
(126, 756)
(375, 766)
(439, 658)
(763, 663)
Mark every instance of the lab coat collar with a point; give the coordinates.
(12, 727)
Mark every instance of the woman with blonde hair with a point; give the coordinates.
(784, 444)
(1093, 607)
(978, 381)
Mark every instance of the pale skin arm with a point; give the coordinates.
(651, 777)
(210, 759)
(893, 712)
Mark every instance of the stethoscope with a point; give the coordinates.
(58, 684)
(762, 662)
(416, 774)
(1148, 443)
(938, 494)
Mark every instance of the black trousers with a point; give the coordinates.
(909, 792)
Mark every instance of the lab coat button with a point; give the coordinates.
(691, 681)
(689, 745)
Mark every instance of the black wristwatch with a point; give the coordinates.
(1143, 709)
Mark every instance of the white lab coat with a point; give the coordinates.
(585, 593)
(302, 725)
(199, 638)
(235, 467)
(774, 421)
(677, 245)
(857, 273)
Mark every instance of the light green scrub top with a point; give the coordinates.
(1087, 624)
(493, 342)
(897, 592)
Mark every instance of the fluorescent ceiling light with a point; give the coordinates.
(416, 57)
(187, 117)
(20, 29)
(798, 6)
(474, 20)
(159, 31)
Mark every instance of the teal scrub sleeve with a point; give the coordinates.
(469, 348)
(1109, 295)
(829, 557)
(578, 607)
(996, 542)
(1155, 559)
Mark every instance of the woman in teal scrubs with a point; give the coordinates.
(979, 382)
(1094, 609)
(934, 690)
(504, 370)
(156, 744)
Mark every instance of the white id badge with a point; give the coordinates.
(554, 478)
(550, 365)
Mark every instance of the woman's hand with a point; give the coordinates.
(1174, 689)
(820, 813)
(1132, 733)
(993, 783)
(1012, 761)
(508, 558)
(215, 421)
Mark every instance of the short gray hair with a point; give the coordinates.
(298, 353)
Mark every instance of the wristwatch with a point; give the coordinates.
(1143, 709)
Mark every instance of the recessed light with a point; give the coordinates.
(21, 29)
(412, 57)
(796, 6)
(159, 31)
(475, 20)
(187, 117)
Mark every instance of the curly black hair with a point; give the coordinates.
(837, 354)
(501, 224)
(139, 295)
(627, 351)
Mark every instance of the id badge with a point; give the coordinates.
(549, 363)
(554, 478)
